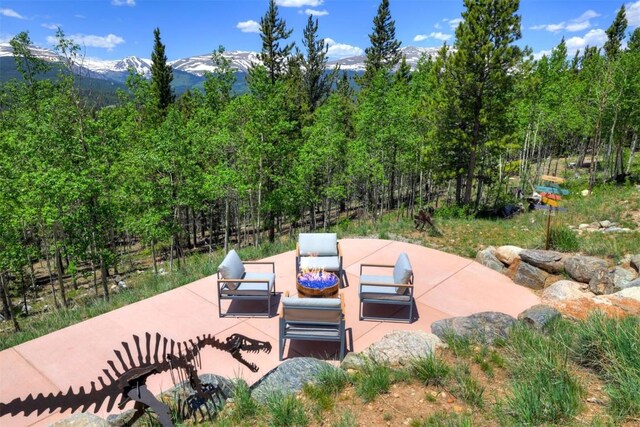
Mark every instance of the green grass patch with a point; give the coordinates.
(444, 419)
(466, 387)
(372, 380)
(285, 410)
(430, 370)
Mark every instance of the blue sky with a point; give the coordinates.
(113, 29)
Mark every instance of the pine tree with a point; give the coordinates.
(384, 52)
(615, 34)
(317, 83)
(272, 30)
(161, 76)
(482, 80)
(634, 41)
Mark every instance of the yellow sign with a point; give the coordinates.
(550, 202)
(550, 178)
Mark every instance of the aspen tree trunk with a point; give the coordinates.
(7, 302)
(154, 256)
(633, 149)
(226, 225)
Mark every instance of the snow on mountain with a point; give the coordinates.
(38, 52)
(240, 61)
(197, 65)
(413, 54)
(139, 65)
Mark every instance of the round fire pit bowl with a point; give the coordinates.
(317, 285)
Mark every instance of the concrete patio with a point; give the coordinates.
(445, 286)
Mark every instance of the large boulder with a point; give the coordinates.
(289, 377)
(397, 348)
(538, 315)
(508, 254)
(487, 258)
(563, 290)
(181, 392)
(549, 261)
(622, 278)
(483, 327)
(631, 293)
(601, 282)
(81, 420)
(583, 268)
(635, 262)
(633, 284)
(530, 276)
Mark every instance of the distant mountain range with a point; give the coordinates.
(188, 72)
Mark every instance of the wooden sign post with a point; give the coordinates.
(551, 195)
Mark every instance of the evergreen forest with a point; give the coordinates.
(303, 147)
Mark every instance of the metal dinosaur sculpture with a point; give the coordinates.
(129, 380)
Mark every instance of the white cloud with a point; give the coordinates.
(595, 37)
(633, 14)
(341, 50)
(539, 55)
(437, 26)
(316, 12)
(10, 13)
(123, 2)
(249, 26)
(438, 36)
(299, 3)
(453, 23)
(578, 24)
(51, 26)
(79, 16)
(588, 15)
(89, 40)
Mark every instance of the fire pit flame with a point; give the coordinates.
(317, 279)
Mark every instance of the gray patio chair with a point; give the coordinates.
(319, 251)
(235, 283)
(396, 288)
(314, 319)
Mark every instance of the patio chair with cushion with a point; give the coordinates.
(235, 283)
(395, 288)
(319, 251)
(315, 319)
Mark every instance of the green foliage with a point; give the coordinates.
(543, 389)
(609, 346)
(244, 405)
(384, 52)
(161, 75)
(431, 370)
(286, 411)
(444, 419)
(347, 419)
(467, 387)
(373, 379)
(273, 29)
(563, 239)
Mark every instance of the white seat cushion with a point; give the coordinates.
(251, 288)
(318, 244)
(372, 279)
(387, 293)
(326, 263)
